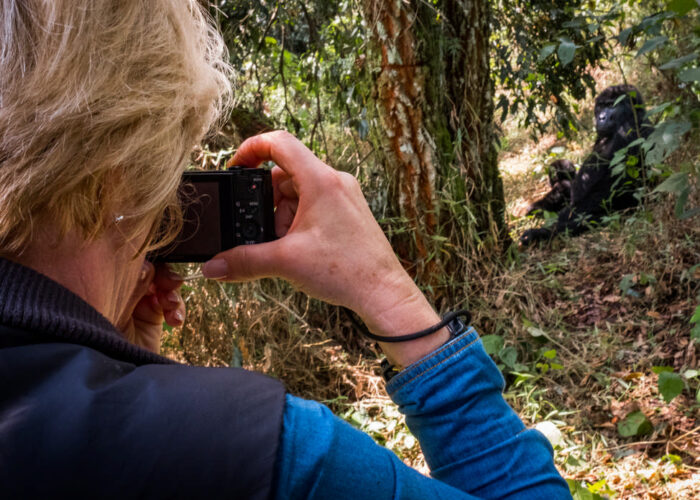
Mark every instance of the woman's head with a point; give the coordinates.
(100, 103)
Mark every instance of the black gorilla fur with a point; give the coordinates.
(594, 191)
(561, 175)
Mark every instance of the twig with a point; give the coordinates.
(637, 443)
(290, 311)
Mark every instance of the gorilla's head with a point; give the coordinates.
(618, 109)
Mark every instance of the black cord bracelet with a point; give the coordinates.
(446, 320)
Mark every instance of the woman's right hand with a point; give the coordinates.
(330, 245)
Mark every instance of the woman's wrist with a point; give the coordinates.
(400, 311)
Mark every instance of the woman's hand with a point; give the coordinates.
(330, 246)
(155, 300)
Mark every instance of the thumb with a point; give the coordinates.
(244, 262)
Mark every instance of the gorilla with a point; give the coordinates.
(620, 120)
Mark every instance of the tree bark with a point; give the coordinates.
(409, 154)
(435, 105)
(467, 104)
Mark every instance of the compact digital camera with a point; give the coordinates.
(222, 209)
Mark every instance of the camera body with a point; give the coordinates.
(222, 209)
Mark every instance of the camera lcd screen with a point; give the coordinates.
(221, 209)
(201, 232)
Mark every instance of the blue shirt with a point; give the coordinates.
(474, 443)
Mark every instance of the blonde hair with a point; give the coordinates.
(100, 103)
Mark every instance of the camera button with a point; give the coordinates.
(250, 230)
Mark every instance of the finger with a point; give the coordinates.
(165, 279)
(282, 185)
(176, 317)
(148, 310)
(282, 148)
(169, 300)
(155, 308)
(245, 262)
(286, 189)
(284, 216)
(278, 175)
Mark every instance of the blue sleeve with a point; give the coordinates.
(475, 444)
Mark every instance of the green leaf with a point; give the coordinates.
(682, 7)
(696, 316)
(536, 332)
(677, 63)
(674, 459)
(551, 354)
(665, 139)
(270, 41)
(690, 75)
(695, 333)
(509, 356)
(634, 424)
(627, 282)
(601, 487)
(658, 109)
(492, 343)
(236, 358)
(652, 44)
(622, 98)
(580, 492)
(676, 183)
(670, 385)
(662, 369)
(566, 51)
(547, 51)
(624, 36)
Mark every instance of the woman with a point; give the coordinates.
(100, 104)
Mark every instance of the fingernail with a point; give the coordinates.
(215, 269)
(179, 316)
(173, 297)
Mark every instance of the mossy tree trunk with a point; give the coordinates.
(434, 97)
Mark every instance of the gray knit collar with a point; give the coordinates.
(47, 312)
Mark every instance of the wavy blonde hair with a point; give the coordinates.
(100, 103)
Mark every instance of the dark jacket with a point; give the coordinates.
(85, 414)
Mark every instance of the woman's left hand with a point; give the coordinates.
(156, 299)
